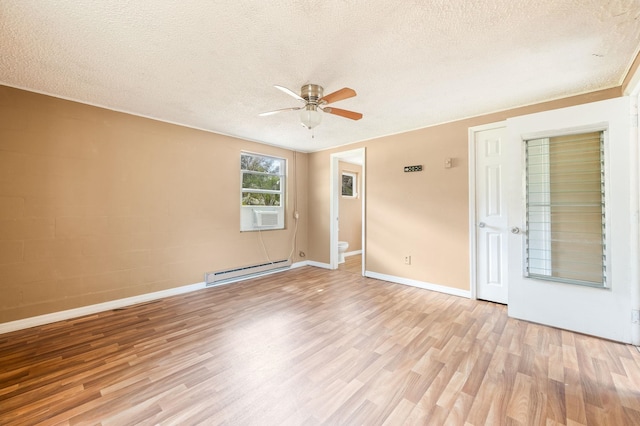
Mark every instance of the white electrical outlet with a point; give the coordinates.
(635, 316)
(407, 260)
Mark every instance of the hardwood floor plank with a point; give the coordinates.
(518, 406)
(399, 413)
(574, 394)
(416, 390)
(460, 409)
(556, 408)
(311, 347)
(437, 416)
(359, 416)
(555, 363)
(337, 393)
(475, 376)
(357, 408)
(487, 392)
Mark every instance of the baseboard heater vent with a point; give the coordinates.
(236, 274)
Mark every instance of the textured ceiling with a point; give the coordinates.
(212, 64)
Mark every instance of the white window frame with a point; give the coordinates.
(262, 217)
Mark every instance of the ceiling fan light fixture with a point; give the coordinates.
(310, 117)
(315, 104)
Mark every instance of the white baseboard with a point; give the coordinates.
(299, 264)
(420, 284)
(93, 309)
(115, 304)
(352, 253)
(318, 264)
(120, 303)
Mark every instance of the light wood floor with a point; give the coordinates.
(311, 346)
(352, 264)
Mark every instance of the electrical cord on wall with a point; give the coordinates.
(293, 240)
(296, 215)
(264, 248)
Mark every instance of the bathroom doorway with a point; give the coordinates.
(348, 210)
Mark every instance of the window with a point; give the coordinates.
(262, 192)
(566, 235)
(349, 185)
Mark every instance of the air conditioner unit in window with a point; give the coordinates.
(265, 218)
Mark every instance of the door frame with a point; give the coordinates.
(633, 91)
(335, 202)
(473, 225)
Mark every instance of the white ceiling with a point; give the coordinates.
(212, 64)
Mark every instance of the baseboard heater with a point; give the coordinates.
(244, 272)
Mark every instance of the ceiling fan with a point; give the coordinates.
(315, 101)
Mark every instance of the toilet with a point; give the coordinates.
(342, 248)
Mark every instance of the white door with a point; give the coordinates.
(491, 214)
(604, 311)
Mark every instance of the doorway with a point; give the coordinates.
(488, 186)
(351, 164)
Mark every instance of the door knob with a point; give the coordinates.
(515, 230)
(482, 225)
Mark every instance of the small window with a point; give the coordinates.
(349, 185)
(262, 192)
(566, 233)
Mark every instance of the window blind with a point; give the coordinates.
(565, 209)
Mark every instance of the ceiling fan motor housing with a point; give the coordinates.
(311, 93)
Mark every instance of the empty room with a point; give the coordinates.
(319, 213)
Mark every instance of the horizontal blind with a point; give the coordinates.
(565, 239)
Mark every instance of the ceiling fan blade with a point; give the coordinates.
(262, 114)
(290, 92)
(338, 95)
(343, 113)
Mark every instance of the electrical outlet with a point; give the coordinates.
(635, 316)
(407, 260)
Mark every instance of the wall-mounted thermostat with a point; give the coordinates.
(408, 169)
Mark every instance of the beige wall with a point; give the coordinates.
(350, 211)
(423, 214)
(97, 205)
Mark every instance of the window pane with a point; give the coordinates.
(348, 184)
(260, 181)
(261, 164)
(260, 199)
(565, 209)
